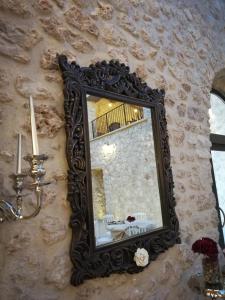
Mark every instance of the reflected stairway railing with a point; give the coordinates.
(116, 118)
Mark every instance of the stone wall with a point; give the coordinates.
(172, 44)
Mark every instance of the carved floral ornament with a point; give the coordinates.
(131, 255)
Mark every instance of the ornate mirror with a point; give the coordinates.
(120, 183)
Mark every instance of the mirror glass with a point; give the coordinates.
(125, 192)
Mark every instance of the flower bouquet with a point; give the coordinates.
(210, 264)
(130, 219)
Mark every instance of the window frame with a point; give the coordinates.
(218, 144)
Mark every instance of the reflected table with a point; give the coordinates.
(196, 283)
(120, 231)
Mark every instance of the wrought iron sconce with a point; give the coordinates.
(7, 210)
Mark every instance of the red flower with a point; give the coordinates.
(206, 246)
(130, 219)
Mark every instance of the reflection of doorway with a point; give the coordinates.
(98, 192)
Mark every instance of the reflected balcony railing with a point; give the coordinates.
(118, 117)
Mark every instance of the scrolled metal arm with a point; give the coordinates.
(7, 211)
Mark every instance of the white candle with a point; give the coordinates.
(33, 128)
(18, 167)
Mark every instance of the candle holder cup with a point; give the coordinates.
(18, 187)
(37, 172)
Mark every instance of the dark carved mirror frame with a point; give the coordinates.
(112, 80)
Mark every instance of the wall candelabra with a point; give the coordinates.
(10, 212)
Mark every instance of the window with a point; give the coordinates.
(217, 136)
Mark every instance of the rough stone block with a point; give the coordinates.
(105, 10)
(5, 98)
(18, 7)
(138, 51)
(19, 241)
(6, 156)
(43, 6)
(178, 137)
(141, 71)
(22, 36)
(120, 54)
(78, 42)
(60, 3)
(181, 109)
(49, 58)
(15, 53)
(54, 27)
(26, 88)
(53, 76)
(58, 271)
(48, 121)
(127, 24)
(112, 36)
(79, 20)
(150, 37)
(53, 230)
(4, 80)
(196, 114)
